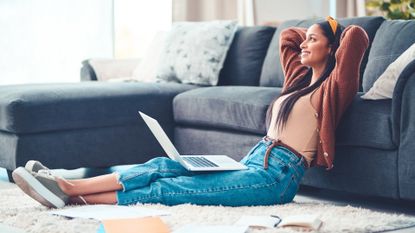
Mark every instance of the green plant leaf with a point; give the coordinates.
(392, 9)
(373, 4)
(385, 6)
(395, 7)
(396, 15)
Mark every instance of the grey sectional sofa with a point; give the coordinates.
(95, 124)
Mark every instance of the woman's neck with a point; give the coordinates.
(317, 72)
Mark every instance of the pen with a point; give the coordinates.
(279, 219)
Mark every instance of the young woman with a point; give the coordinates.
(321, 67)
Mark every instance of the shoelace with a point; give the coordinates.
(83, 199)
(45, 172)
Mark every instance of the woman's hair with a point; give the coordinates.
(332, 30)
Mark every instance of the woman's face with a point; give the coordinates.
(315, 49)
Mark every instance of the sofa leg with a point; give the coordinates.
(9, 175)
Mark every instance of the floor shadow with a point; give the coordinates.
(309, 194)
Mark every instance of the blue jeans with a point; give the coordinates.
(165, 181)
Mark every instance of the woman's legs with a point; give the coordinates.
(95, 190)
(102, 189)
(230, 188)
(98, 198)
(255, 186)
(98, 184)
(162, 180)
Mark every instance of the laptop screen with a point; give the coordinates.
(161, 137)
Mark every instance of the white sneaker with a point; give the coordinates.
(35, 166)
(40, 186)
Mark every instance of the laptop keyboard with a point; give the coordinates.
(199, 162)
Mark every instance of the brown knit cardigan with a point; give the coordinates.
(336, 93)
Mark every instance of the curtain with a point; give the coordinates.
(350, 8)
(203, 10)
(246, 12)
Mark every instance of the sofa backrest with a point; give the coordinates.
(272, 74)
(243, 63)
(392, 38)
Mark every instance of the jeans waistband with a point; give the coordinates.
(271, 143)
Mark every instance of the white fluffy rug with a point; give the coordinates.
(20, 211)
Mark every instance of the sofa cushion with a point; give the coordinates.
(194, 52)
(241, 108)
(51, 107)
(244, 109)
(272, 74)
(362, 122)
(385, 85)
(243, 63)
(386, 47)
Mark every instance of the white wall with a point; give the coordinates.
(136, 22)
(46, 40)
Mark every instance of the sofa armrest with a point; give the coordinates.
(403, 121)
(87, 72)
(402, 96)
(106, 69)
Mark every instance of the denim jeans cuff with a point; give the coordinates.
(118, 176)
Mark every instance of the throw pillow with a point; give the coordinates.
(385, 84)
(146, 70)
(113, 69)
(194, 52)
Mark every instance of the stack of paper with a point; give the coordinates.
(101, 212)
(258, 221)
(119, 219)
(124, 219)
(193, 228)
(310, 221)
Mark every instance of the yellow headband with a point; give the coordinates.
(333, 24)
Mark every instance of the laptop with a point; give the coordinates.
(191, 162)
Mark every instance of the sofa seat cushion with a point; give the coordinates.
(367, 124)
(244, 109)
(50, 107)
(241, 108)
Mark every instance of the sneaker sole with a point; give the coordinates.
(32, 187)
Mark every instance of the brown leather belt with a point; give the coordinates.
(274, 144)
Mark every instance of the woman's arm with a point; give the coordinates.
(353, 44)
(344, 81)
(290, 40)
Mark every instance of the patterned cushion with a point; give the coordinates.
(194, 52)
(384, 86)
(392, 39)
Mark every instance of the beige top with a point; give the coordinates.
(300, 131)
